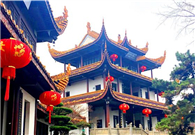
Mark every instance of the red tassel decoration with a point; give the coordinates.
(8, 73)
(50, 109)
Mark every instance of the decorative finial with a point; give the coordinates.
(68, 71)
(65, 12)
(119, 38)
(125, 33)
(147, 44)
(164, 53)
(108, 75)
(103, 21)
(75, 45)
(130, 41)
(88, 27)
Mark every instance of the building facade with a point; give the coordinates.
(93, 62)
(31, 22)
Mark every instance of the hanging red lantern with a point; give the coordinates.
(161, 93)
(143, 68)
(14, 54)
(111, 78)
(146, 112)
(124, 107)
(114, 57)
(50, 98)
(165, 115)
(182, 117)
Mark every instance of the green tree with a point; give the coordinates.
(61, 122)
(182, 79)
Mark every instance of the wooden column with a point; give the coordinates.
(151, 74)
(16, 111)
(13, 95)
(148, 90)
(131, 91)
(87, 85)
(138, 68)
(107, 114)
(118, 85)
(121, 62)
(35, 125)
(64, 67)
(81, 61)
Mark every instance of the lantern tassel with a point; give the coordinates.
(6, 98)
(49, 116)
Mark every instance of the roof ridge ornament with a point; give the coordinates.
(88, 27)
(130, 41)
(119, 38)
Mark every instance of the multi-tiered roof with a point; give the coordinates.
(100, 43)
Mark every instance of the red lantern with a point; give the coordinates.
(50, 98)
(114, 57)
(124, 107)
(14, 54)
(165, 115)
(161, 93)
(143, 68)
(146, 112)
(182, 117)
(111, 78)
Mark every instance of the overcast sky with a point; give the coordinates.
(138, 18)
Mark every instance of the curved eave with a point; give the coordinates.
(85, 98)
(97, 65)
(100, 94)
(151, 63)
(137, 100)
(59, 23)
(61, 55)
(133, 49)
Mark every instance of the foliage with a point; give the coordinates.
(183, 112)
(61, 121)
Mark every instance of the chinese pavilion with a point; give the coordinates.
(96, 58)
(31, 22)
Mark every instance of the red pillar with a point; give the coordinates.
(87, 85)
(81, 61)
(104, 82)
(138, 68)
(121, 63)
(151, 74)
(118, 84)
(131, 92)
(107, 114)
(64, 67)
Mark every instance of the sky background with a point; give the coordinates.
(138, 18)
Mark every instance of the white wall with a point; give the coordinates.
(88, 39)
(154, 122)
(77, 88)
(112, 113)
(146, 122)
(120, 86)
(144, 90)
(98, 113)
(31, 100)
(152, 95)
(97, 80)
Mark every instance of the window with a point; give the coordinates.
(114, 86)
(67, 93)
(146, 94)
(116, 120)
(98, 87)
(99, 123)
